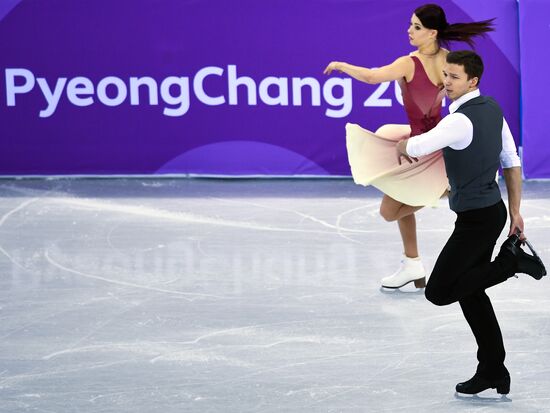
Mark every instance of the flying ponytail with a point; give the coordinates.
(432, 16)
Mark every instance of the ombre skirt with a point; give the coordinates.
(373, 161)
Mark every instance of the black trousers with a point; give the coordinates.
(462, 273)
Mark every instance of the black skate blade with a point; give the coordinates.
(531, 248)
(536, 256)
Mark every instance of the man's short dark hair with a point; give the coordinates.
(473, 65)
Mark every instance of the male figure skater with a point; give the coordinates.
(475, 138)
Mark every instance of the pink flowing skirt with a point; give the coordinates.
(373, 161)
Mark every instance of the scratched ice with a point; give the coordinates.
(241, 296)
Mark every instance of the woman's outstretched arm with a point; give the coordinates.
(400, 68)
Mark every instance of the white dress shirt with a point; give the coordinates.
(456, 131)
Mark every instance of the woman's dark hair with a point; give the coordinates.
(433, 17)
(473, 65)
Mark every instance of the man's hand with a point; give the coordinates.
(402, 152)
(512, 176)
(516, 223)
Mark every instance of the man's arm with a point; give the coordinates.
(454, 130)
(512, 176)
(509, 154)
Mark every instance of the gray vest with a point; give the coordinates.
(472, 171)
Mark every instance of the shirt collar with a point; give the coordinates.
(463, 99)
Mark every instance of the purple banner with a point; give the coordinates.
(535, 58)
(211, 86)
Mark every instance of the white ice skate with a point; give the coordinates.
(410, 270)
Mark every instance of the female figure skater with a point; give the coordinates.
(408, 186)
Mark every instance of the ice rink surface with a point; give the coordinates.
(207, 295)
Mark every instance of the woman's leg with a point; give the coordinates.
(411, 267)
(392, 210)
(407, 228)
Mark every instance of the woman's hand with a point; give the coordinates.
(333, 66)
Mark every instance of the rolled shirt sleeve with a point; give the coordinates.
(508, 156)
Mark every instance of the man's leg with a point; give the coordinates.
(462, 272)
(464, 267)
(479, 314)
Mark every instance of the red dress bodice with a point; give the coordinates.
(422, 100)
